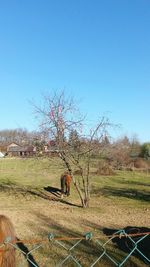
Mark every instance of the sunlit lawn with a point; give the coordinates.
(117, 201)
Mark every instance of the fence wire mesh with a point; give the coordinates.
(83, 251)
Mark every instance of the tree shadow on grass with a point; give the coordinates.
(23, 191)
(48, 193)
(123, 192)
(133, 182)
(127, 244)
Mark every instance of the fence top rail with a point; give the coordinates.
(87, 236)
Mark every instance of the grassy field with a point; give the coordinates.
(29, 191)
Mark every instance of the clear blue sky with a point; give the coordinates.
(97, 50)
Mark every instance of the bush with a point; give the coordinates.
(140, 163)
(104, 169)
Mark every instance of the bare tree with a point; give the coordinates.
(61, 120)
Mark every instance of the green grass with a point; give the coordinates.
(124, 187)
(29, 171)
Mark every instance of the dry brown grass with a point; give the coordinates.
(116, 202)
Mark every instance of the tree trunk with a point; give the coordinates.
(85, 203)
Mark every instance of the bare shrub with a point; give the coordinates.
(140, 163)
(104, 169)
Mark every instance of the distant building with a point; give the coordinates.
(51, 149)
(15, 150)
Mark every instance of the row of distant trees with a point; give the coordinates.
(19, 136)
(121, 149)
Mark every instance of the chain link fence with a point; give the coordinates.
(119, 249)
